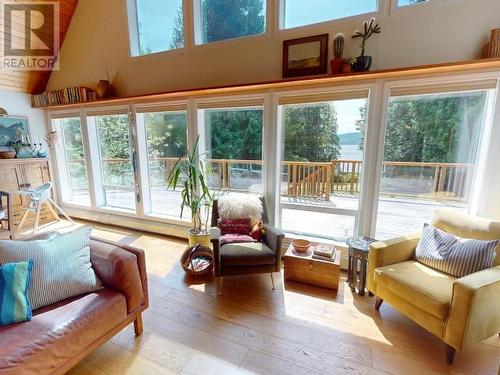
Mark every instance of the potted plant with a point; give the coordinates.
(191, 174)
(338, 48)
(363, 62)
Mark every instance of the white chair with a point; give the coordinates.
(38, 197)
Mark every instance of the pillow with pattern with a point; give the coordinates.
(453, 255)
(235, 226)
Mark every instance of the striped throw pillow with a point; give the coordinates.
(453, 255)
(14, 283)
(61, 266)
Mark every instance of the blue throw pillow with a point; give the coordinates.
(14, 283)
(453, 255)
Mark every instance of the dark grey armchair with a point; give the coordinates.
(247, 258)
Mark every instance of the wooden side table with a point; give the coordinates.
(358, 254)
(302, 267)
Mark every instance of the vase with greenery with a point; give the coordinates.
(191, 174)
(364, 62)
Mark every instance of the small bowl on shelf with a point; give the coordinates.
(301, 246)
(7, 154)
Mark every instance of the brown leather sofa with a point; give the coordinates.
(61, 335)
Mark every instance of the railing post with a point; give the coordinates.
(328, 190)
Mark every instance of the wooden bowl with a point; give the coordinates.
(7, 154)
(301, 246)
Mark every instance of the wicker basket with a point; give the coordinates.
(194, 252)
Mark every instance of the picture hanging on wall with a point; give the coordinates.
(305, 56)
(13, 128)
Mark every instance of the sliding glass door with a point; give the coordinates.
(116, 176)
(430, 156)
(72, 164)
(321, 168)
(165, 138)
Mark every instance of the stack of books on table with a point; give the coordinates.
(324, 252)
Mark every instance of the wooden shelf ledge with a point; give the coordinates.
(472, 66)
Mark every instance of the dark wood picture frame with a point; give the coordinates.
(323, 57)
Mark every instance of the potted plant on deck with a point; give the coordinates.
(191, 175)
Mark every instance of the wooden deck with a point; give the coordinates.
(296, 329)
(396, 217)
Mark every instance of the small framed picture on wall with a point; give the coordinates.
(305, 56)
(12, 129)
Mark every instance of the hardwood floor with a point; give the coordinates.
(296, 329)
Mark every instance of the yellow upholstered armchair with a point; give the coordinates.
(460, 311)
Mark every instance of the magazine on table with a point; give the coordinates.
(324, 252)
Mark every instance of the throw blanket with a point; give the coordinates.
(237, 206)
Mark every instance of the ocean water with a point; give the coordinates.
(351, 152)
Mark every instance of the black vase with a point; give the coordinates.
(362, 64)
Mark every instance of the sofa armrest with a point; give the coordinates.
(474, 311)
(385, 253)
(122, 268)
(274, 239)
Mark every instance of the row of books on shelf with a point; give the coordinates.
(64, 96)
(324, 252)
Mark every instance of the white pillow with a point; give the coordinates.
(240, 206)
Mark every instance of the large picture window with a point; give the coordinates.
(156, 26)
(430, 155)
(301, 13)
(229, 19)
(233, 143)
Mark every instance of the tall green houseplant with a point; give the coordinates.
(191, 175)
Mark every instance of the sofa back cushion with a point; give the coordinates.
(468, 226)
(61, 266)
(453, 255)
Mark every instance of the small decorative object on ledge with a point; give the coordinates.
(364, 62)
(305, 56)
(65, 96)
(338, 62)
(104, 89)
(492, 49)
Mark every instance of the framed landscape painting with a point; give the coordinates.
(305, 56)
(13, 128)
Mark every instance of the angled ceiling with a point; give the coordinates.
(33, 82)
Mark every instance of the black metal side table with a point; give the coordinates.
(358, 254)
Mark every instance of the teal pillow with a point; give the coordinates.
(14, 283)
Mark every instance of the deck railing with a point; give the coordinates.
(321, 179)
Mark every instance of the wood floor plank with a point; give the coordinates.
(296, 329)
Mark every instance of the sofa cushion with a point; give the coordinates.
(58, 333)
(422, 286)
(61, 266)
(454, 255)
(247, 254)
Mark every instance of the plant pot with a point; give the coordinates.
(198, 238)
(337, 65)
(104, 89)
(362, 64)
(346, 68)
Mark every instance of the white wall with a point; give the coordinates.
(19, 104)
(443, 31)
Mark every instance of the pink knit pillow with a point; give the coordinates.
(235, 226)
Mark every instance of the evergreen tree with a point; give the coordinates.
(311, 133)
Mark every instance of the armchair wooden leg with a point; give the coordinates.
(219, 285)
(378, 303)
(272, 280)
(138, 325)
(450, 354)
